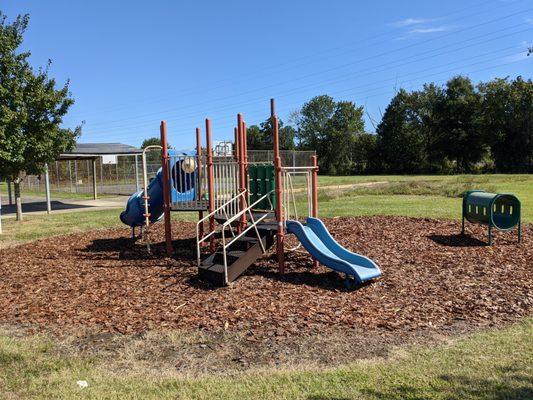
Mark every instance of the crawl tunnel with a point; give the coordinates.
(496, 210)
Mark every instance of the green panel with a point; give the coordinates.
(261, 181)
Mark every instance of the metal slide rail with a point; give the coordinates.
(252, 225)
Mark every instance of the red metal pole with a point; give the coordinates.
(210, 182)
(242, 172)
(280, 236)
(199, 180)
(314, 195)
(236, 150)
(245, 144)
(166, 187)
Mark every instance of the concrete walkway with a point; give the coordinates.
(37, 205)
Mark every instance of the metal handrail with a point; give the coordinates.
(207, 217)
(254, 223)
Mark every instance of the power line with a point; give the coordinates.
(485, 9)
(369, 71)
(419, 78)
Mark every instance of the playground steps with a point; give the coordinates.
(241, 255)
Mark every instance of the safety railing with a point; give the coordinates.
(252, 224)
(290, 191)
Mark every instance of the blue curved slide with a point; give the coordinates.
(134, 213)
(316, 239)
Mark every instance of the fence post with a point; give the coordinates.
(9, 193)
(137, 173)
(76, 175)
(47, 189)
(95, 194)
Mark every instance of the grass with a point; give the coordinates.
(41, 226)
(494, 364)
(416, 196)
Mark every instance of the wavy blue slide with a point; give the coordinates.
(316, 239)
(134, 213)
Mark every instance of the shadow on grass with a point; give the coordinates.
(508, 386)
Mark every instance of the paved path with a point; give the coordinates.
(33, 205)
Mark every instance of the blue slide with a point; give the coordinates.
(316, 239)
(134, 213)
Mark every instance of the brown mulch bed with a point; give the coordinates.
(432, 278)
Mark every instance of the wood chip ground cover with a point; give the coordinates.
(432, 279)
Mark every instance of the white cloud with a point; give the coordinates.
(430, 30)
(411, 21)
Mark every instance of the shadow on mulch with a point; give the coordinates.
(134, 249)
(457, 240)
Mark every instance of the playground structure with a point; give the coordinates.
(244, 207)
(496, 210)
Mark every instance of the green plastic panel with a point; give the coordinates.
(261, 181)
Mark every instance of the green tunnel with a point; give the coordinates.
(501, 211)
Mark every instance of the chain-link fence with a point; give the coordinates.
(289, 158)
(125, 177)
(76, 176)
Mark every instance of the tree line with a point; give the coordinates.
(458, 127)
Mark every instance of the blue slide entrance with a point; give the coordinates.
(316, 239)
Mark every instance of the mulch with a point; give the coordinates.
(432, 278)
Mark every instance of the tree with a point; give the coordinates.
(31, 110)
(507, 114)
(312, 120)
(340, 137)
(261, 137)
(457, 120)
(401, 144)
(153, 141)
(330, 128)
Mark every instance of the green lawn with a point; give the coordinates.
(416, 196)
(489, 365)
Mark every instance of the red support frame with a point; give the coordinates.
(210, 182)
(242, 170)
(199, 180)
(314, 195)
(280, 236)
(166, 187)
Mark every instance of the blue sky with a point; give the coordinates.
(132, 64)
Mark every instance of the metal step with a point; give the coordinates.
(247, 251)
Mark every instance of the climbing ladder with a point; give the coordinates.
(239, 246)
